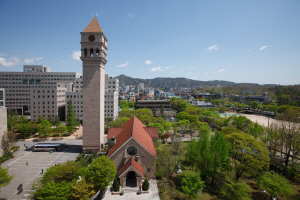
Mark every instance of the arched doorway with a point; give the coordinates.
(131, 179)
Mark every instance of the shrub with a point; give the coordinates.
(116, 185)
(5, 157)
(145, 185)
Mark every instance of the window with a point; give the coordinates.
(148, 169)
(132, 150)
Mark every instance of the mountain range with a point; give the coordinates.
(161, 82)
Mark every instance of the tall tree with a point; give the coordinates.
(45, 128)
(275, 184)
(82, 191)
(101, 172)
(5, 178)
(162, 111)
(71, 116)
(290, 129)
(60, 128)
(248, 154)
(219, 154)
(154, 111)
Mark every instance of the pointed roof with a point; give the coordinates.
(93, 26)
(134, 128)
(114, 132)
(132, 163)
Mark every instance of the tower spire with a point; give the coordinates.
(93, 26)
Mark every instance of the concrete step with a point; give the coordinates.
(130, 190)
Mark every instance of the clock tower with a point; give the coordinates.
(93, 56)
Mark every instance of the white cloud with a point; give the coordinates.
(130, 15)
(263, 47)
(172, 72)
(76, 55)
(221, 70)
(9, 63)
(40, 58)
(62, 61)
(213, 72)
(2, 54)
(191, 67)
(160, 69)
(214, 47)
(189, 73)
(206, 74)
(28, 60)
(123, 65)
(148, 62)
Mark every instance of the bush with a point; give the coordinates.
(145, 185)
(116, 185)
(5, 157)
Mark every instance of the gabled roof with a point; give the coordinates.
(134, 128)
(132, 163)
(152, 131)
(93, 26)
(114, 131)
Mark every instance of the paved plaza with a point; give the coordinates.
(26, 174)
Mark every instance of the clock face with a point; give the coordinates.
(131, 150)
(91, 38)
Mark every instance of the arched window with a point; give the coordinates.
(85, 52)
(97, 53)
(92, 52)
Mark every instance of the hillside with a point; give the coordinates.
(177, 82)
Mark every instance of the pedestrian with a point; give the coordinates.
(24, 144)
(26, 162)
(42, 171)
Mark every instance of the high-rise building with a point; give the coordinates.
(3, 116)
(37, 91)
(93, 56)
(141, 86)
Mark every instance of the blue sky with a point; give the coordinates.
(240, 41)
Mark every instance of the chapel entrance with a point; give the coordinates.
(131, 179)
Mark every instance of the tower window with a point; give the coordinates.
(92, 52)
(97, 53)
(85, 52)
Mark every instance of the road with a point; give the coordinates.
(25, 175)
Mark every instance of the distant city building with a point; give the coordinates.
(207, 96)
(249, 98)
(202, 104)
(141, 86)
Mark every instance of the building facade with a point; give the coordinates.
(3, 116)
(37, 91)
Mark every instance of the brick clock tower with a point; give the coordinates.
(93, 55)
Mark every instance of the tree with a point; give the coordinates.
(235, 191)
(5, 144)
(71, 116)
(192, 152)
(45, 128)
(119, 122)
(64, 172)
(123, 104)
(162, 111)
(290, 129)
(23, 127)
(178, 104)
(101, 172)
(82, 191)
(145, 185)
(60, 128)
(116, 185)
(5, 178)
(219, 154)
(248, 154)
(40, 119)
(56, 191)
(154, 111)
(275, 184)
(253, 104)
(192, 185)
(183, 116)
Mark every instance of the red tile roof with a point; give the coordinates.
(133, 128)
(114, 131)
(152, 131)
(93, 26)
(133, 163)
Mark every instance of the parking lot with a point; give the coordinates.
(25, 175)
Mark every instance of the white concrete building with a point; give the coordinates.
(111, 98)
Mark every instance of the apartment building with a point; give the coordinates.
(111, 97)
(3, 116)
